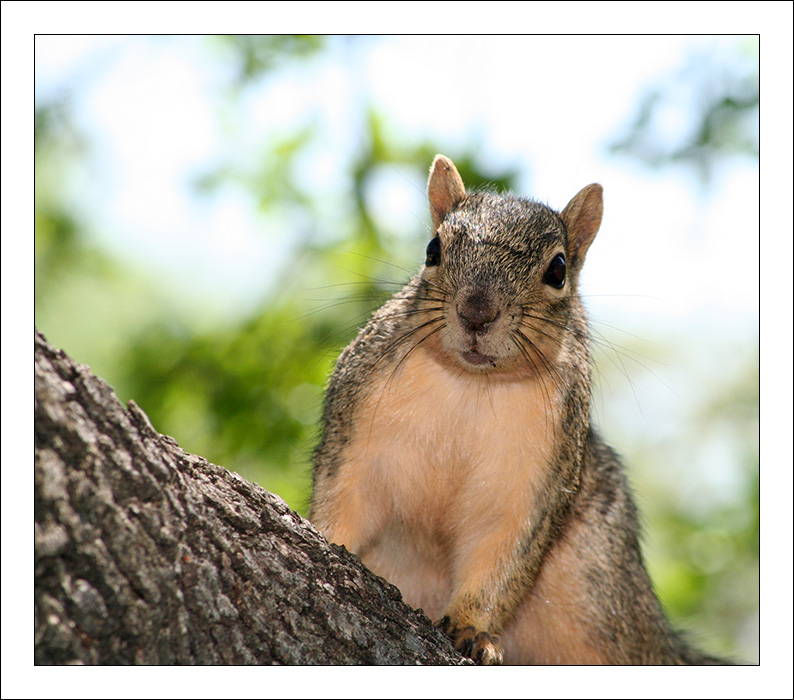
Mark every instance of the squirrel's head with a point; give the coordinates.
(501, 274)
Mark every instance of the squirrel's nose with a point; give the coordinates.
(477, 313)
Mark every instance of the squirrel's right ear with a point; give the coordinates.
(444, 189)
(582, 218)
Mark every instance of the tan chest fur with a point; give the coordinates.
(439, 480)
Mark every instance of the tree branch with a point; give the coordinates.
(146, 554)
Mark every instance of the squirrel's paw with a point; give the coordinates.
(480, 647)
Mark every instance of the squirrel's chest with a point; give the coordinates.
(441, 446)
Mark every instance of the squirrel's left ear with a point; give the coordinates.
(582, 218)
(444, 189)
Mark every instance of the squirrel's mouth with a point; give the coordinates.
(474, 357)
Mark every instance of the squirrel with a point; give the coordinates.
(457, 457)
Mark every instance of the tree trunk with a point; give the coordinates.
(146, 554)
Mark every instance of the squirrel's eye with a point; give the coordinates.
(433, 252)
(555, 273)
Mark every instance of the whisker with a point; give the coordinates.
(438, 328)
(558, 379)
(411, 273)
(528, 357)
(397, 343)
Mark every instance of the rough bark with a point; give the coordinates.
(146, 554)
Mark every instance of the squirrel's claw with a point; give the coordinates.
(480, 647)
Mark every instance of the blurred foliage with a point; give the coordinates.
(255, 55)
(725, 97)
(248, 395)
(703, 553)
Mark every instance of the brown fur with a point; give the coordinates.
(457, 458)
